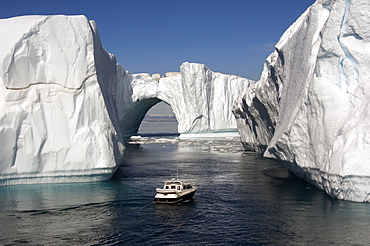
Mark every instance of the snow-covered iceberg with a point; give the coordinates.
(58, 120)
(310, 106)
(200, 99)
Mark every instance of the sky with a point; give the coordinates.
(157, 36)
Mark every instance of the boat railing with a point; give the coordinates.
(168, 191)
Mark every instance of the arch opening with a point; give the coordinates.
(159, 120)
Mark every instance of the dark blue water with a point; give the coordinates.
(236, 204)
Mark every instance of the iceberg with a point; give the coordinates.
(66, 105)
(200, 98)
(58, 117)
(310, 107)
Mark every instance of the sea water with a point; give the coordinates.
(242, 199)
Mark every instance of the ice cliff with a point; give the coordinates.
(310, 106)
(57, 92)
(200, 99)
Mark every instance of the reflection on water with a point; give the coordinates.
(174, 215)
(55, 196)
(55, 213)
(241, 199)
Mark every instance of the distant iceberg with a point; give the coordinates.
(57, 112)
(200, 99)
(310, 107)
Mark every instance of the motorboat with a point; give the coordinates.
(175, 191)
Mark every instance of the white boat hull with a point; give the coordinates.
(174, 197)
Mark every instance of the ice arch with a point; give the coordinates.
(200, 99)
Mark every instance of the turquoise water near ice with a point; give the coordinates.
(236, 204)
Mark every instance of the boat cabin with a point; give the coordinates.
(176, 185)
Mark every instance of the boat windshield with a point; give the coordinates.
(173, 183)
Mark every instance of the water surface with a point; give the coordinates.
(236, 204)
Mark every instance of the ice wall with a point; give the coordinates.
(200, 99)
(310, 106)
(57, 112)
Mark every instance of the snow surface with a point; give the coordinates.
(57, 112)
(200, 99)
(310, 106)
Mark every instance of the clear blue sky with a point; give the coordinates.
(157, 36)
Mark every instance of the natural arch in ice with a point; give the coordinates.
(200, 99)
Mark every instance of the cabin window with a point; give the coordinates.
(173, 187)
(178, 187)
(167, 187)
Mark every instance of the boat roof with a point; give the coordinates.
(175, 181)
